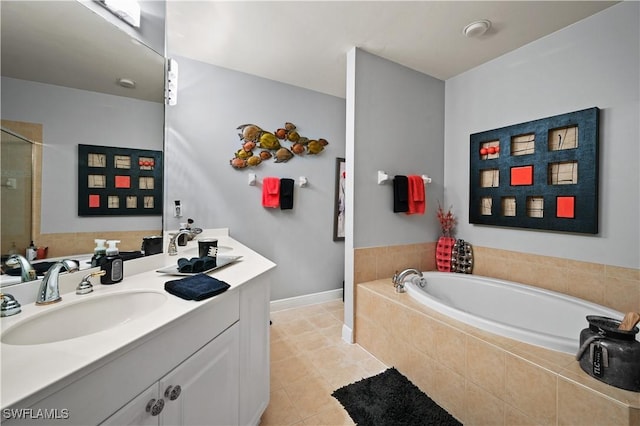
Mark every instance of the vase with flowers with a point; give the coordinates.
(445, 243)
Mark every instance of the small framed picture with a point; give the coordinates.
(339, 208)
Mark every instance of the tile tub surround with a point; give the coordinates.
(66, 244)
(612, 286)
(479, 377)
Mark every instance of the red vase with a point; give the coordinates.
(443, 253)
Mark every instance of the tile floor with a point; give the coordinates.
(309, 360)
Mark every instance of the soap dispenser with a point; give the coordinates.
(99, 253)
(32, 252)
(112, 264)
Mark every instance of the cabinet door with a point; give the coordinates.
(254, 349)
(135, 412)
(208, 382)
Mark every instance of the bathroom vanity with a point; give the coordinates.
(172, 361)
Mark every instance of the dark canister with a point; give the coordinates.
(151, 245)
(609, 354)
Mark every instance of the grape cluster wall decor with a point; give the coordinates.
(542, 174)
(282, 145)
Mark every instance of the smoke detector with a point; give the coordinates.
(477, 28)
(127, 83)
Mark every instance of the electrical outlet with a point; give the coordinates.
(12, 183)
(177, 209)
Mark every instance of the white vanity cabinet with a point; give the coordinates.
(203, 390)
(218, 355)
(254, 349)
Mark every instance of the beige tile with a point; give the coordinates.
(587, 286)
(310, 342)
(449, 391)
(291, 369)
(283, 348)
(335, 415)
(515, 417)
(296, 327)
(486, 366)
(622, 294)
(423, 336)
(364, 265)
(551, 360)
(573, 372)
(309, 395)
(482, 407)
(280, 410)
(451, 348)
(624, 273)
(531, 389)
(580, 406)
(324, 320)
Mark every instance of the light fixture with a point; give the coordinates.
(127, 83)
(127, 10)
(171, 91)
(476, 28)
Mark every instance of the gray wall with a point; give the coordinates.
(395, 123)
(202, 138)
(71, 117)
(399, 128)
(595, 62)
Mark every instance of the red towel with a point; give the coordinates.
(271, 192)
(416, 195)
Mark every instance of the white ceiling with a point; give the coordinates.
(67, 44)
(305, 43)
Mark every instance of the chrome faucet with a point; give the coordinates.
(398, 278)
(9, 305)
(49, 291)
(173, 249)
(28, 273)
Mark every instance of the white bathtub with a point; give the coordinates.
(528, 314)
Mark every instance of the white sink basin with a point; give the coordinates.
(82, 317)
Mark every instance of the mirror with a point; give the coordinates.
(16, 190)
(61, 64)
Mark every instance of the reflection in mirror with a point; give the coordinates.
(16, 191)
(61, 62)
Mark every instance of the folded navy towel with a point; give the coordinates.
(196, 264)
(196, 287)
(286, 193)
(400, 194)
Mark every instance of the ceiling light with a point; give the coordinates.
(477, 28)
(127, 83)
(127, 10)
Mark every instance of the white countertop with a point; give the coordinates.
(29, 369)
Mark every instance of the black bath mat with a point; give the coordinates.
(390, 399)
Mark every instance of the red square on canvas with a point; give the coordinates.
(522, 175)
(123, 181)
(94, 201)
(565, 207)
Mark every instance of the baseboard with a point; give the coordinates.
(347, 334)
(307, 299)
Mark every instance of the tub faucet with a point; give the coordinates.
(398, 278)
(28, 273)
(49, 291)
(173, 249)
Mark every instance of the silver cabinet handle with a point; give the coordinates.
(155, 406)
(173, 392)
